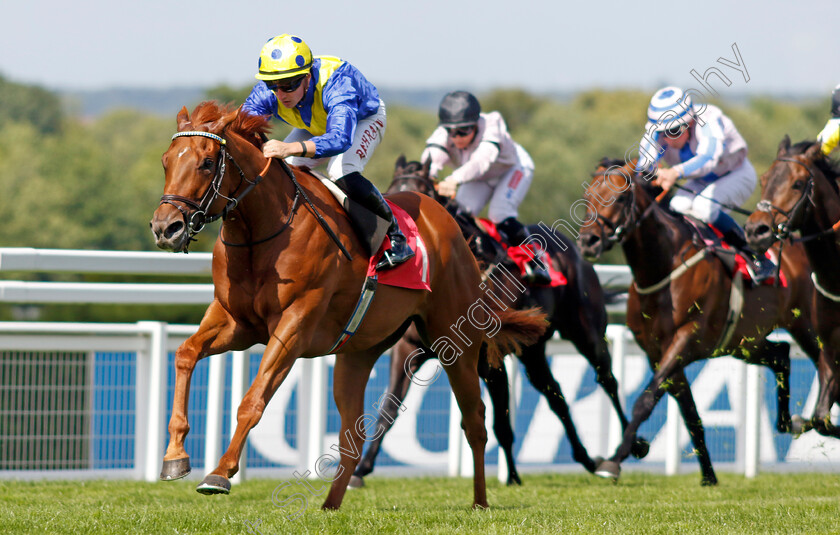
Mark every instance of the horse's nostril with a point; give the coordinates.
(759, 230)
(173, 229)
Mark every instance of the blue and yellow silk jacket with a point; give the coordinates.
(338, 97)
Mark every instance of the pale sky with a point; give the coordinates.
(540, 45)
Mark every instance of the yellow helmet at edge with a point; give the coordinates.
(284, 56)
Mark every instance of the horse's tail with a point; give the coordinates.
(518, 328)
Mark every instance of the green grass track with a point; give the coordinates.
(555, 503)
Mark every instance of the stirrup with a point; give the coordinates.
(536, 276)
(390, 259)
(760, 269)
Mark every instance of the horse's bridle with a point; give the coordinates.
(783, 229)
(630, 216)
(197, 218)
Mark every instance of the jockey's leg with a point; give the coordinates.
(504, 208)
(360, 189)
(514, 231)
(760, 266)
(733, 189)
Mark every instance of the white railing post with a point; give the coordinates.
(215, 409)
(672, 437)
(239, 378)
(618, 335)
(455, 441)
(752, 420)
(312, 412)
(152, 383)
(512, 372)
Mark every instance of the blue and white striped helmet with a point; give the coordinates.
(670, 107)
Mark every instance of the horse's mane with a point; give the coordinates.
(830, 168)
(246, 125)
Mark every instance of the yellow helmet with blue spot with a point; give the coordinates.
(284, 56)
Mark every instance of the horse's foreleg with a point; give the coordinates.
(776, 356)
(349, 380)
(496, 380)
(283, 349)
(829, 376)
(397, 389)
(642, 410)
(539, 373)
(807, 340)
(591, 344)
(681, 391)
(216, 334)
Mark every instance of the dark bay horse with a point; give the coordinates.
(282, 281)
(799, 193)
(679, 303)
(577, 311)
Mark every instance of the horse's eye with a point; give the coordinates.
(206, 165)
(799, 184)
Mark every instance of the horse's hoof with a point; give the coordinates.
(175, 469)
(513, 479)
(608, 470)
(798, 425)
(640, 448)
(356, 482)
(709, 481)
(214, 484)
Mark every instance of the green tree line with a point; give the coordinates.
(93, 184)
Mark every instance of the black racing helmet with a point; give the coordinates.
(459, 108)
(835, 102)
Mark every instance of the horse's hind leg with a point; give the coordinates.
(539, 373)
(216, 334)
(463, 378)
(352, 372)
(496, 380)
(397, 389)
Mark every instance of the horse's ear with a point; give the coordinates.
(427, 165)
(814, 151)
(223, 122)
(183, 119)
(784, 146)
(400, 165)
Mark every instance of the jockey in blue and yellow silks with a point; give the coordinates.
(338, 118)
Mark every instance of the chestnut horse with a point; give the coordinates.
(282, 280)
(577, 311)
(800, 193)
(678, 305)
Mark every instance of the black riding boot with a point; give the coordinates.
(759, 266)
(516, 235)
(365, 193)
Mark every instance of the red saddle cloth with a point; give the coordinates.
(741, 264)
(413, 273)
(522, 254)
